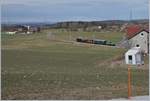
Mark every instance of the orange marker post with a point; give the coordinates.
(129, 82)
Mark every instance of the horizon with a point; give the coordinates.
(67, 21)
(72, 10)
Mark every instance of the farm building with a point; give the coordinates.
(134, 56)
(138, 37)
(22, 29)
(34, 29)
(11, 32)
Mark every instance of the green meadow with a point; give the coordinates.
(51, 65)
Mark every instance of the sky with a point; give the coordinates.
(72, 10)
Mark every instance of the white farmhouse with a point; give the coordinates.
(138, 37)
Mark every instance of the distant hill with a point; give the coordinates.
(82, 24)
(114, 25)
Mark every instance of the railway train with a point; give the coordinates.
(95, 41)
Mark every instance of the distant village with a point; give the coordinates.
(20, 29)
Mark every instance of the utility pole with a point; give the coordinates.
(130, 17)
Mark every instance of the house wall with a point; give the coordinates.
(11, 33)
(140, 39)
(133, 59)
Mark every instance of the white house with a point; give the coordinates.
(11, 33)
(138, 37)
(134, 56)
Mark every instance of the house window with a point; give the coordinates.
(142, 34)
(137, 45)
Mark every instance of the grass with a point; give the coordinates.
(72, 35)
(34, 67)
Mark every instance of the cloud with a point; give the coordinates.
(72, 9)
(62, 2)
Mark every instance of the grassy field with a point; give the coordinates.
(35, 67)
(67, 35)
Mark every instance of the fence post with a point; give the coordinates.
(129, 82)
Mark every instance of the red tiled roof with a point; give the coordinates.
(134, 30)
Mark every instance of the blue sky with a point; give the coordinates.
(72, 10)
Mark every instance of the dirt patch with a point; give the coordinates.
(119, 61)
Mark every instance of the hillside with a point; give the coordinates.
(83, 24)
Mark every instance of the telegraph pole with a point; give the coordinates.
(131, 15)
